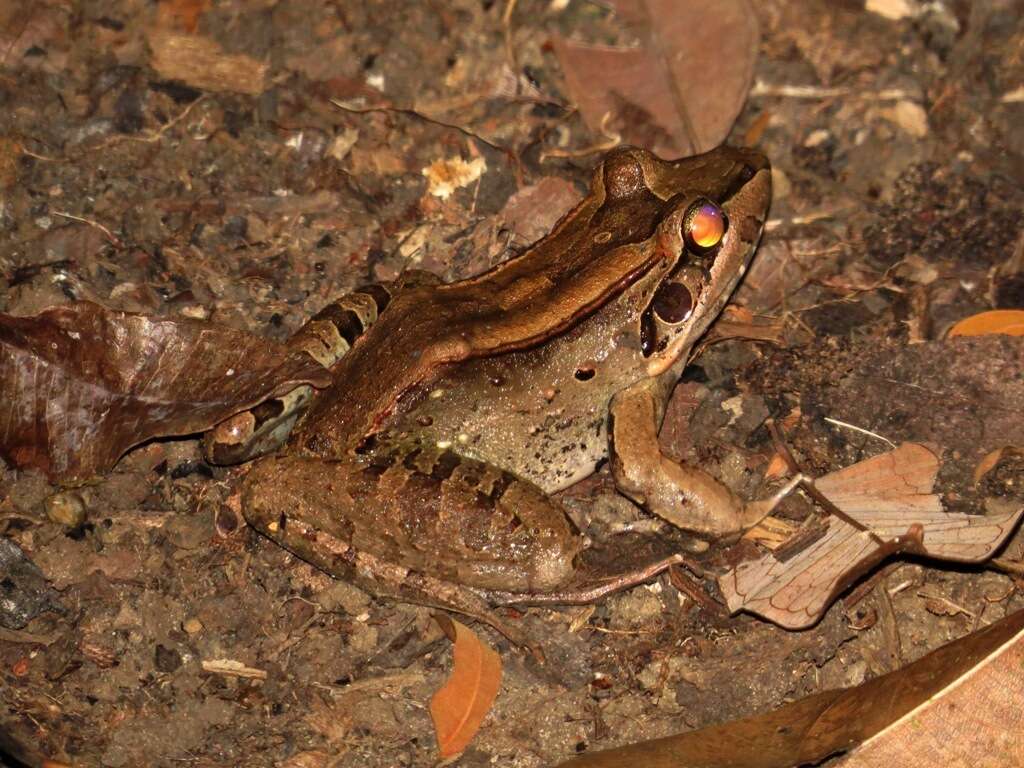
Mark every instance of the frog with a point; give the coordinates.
(426, 471)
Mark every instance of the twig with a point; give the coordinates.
(110, 235)
(863, 431)
(156, 135)
(611, 140)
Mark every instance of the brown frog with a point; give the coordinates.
(424, 471)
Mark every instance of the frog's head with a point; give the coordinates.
(712, 213)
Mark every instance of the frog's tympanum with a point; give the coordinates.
(424, 471)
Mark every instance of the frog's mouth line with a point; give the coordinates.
(738, 247)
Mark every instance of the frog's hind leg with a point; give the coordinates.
(685, 496)
(419, 524)
(326, 338)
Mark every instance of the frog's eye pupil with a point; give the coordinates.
(704, 225)
(672, 302)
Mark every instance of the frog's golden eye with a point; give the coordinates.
(704, 226)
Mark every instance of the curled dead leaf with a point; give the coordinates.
(888, 507)
(81, 384)
(461, 704)
(1009, 322)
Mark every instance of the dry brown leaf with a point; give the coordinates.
(891, 509)
(987, 463)
(463, 702)
(80, 385)
(679, 91)
(777, 467)
(1009, 322)
(959, 703)
(975, 721)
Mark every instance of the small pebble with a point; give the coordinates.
(192, 626)
(66, 508)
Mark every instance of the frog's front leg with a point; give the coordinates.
(687, 497)
(418, 524)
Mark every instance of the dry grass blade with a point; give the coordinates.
(888, 508)
(462, 703)
(80, 385)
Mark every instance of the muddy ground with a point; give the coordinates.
(135, 182)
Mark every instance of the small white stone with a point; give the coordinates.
(817, 138)
(893, 9)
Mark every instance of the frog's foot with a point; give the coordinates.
(326, 338)
(687, 497)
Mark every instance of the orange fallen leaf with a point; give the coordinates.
(1009, 322)
(461, 704)
(987, 463)
(777, 467)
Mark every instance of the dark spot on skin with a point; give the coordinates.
(695, 373)
(648, 332)
(267, 410)
(282, 520)
(497, 381)
(410, 460)
(366, 445)
(501, 484)
(318, 445)
(445, 465)
(378, 293)
(584, 373)
(379, 464)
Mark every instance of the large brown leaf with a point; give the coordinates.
(973, 682)
(80, 385)
(680, 90)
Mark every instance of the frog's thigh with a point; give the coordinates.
(426, 512)
(326, 337)
(687, 497)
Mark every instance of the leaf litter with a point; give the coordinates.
(81, 384)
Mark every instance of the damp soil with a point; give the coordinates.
(140, 185)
